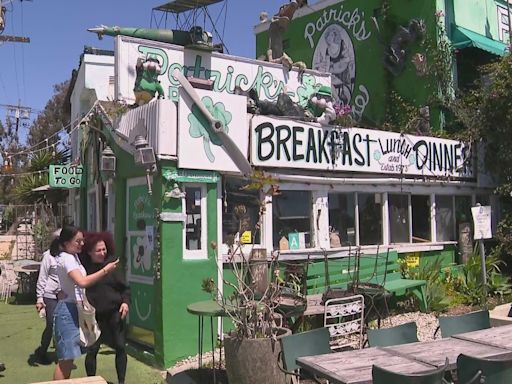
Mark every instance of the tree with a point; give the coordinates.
(486, 113)
(51, 119)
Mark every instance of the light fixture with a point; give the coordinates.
(145, 156)
(107, 166)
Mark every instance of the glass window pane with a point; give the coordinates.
(342, 217)
(463, 212)
(240, 214)
(291, 220)
(193, 200)
(420, 206)
(444, 218)
(398, 218)
(370, 218)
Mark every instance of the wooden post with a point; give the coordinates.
(259, 270)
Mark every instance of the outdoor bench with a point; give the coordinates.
(352, 271)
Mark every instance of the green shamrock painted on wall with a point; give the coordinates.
(308, 87)
(199, 126)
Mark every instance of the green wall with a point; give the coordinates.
(180, 283)
(373, 82)
(479, 16)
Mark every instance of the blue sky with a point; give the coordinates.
(58, 33)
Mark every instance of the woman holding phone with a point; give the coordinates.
(72, 280)
(111, 298)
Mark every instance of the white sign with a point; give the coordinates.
(293, 144)
(198, 146)
(226, 72)
(482, 222)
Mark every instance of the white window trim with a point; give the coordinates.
(199, 254)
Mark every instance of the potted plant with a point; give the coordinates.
(251, 300)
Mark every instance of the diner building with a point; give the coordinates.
(165, 183)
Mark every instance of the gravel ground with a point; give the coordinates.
(427, 323)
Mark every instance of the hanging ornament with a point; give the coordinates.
(53, 150)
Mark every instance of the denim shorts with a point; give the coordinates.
(66, 332)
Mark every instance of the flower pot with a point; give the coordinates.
(250, 361)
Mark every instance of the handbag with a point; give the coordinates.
(89, 329)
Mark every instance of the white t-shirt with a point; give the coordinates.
(66, 262)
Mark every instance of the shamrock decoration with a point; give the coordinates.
(199, 126)
(377, 155)
(141, 254)
(308, 87)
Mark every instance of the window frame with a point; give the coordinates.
(196, 254)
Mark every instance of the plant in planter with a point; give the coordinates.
(251, 299)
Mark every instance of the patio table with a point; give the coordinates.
(355, 367)
(435, 352)
(496, 337)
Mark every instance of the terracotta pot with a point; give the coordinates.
(251, 361)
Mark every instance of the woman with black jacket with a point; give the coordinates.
(110, 297)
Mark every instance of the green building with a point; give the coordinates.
(173, 187)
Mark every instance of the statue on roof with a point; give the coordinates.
(146, 81)
(278, 26)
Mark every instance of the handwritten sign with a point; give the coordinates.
(65, 176)
(482, 222)
(246, 237)
(413, 260)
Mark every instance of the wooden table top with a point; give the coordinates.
(497, 337)
(355, 367)
(435, 352)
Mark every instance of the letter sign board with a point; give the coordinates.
(65, 176)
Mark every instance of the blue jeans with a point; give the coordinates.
(66, 332)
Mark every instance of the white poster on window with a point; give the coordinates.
(482, 222)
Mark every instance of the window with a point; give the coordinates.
(444, 218)
(195, 210)
(291, 221)
(421, 229)
(399, 218)
(462, 212)
(240, 214)
(342, 217)
(370, 218)
(503, 23)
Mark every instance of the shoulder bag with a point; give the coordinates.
(89, 329)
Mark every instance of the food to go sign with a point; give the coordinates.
(65, 176)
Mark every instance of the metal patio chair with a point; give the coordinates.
(468, 322)
(344, 318)
(493, 370)
(401, 334)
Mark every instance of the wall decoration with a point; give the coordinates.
(394, 57)
(334, 53)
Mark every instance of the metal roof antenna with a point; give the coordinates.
(196, 16)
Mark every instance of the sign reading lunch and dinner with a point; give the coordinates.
(293, 144)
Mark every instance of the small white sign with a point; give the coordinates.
(482, 222)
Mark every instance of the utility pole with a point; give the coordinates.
(18, 113)
(8, 38)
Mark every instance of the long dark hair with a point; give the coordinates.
(67, 233)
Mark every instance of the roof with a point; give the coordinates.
(178, 6)
(464, 38)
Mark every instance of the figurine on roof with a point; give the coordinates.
(278, 26)
(320, 106)
(146, 82)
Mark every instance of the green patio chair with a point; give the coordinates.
(474, 321)
(310, 343)
(383, 376)
(401, 334)
(493, 370)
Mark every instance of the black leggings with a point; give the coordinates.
(113, 334)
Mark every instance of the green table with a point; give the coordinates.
(211, 309)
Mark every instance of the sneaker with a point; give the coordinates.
(42, 358)
(2, 367)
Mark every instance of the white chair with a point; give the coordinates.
(9, 280)
(344, 318)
